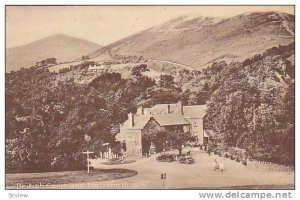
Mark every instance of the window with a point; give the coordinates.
(195, 123)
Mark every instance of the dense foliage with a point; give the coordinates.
(51, 120)
(254, 107)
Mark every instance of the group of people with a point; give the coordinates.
(218, 166)
(204, 147)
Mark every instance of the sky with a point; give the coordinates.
(104, 24)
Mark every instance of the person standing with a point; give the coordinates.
(221, 166)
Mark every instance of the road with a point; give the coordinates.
(197, 176)
(174, 63)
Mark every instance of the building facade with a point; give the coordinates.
(161, 117)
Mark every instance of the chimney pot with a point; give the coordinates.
(131, 120)
(180, 109)
(140, 110)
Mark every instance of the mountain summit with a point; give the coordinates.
(197, 41)
(60, 46)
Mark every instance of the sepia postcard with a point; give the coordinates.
(149, 97)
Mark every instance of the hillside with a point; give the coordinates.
(64, 48)
(197, 41)
(49, 116)
(252, 104)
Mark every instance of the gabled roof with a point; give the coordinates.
(196, 111)
(139, 122)
(164, 120)
(170, 119)
(160, 113)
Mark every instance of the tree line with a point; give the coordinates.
(50, 121)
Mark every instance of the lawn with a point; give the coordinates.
(118, 161)
(14, 181)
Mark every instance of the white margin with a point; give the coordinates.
(130, 194)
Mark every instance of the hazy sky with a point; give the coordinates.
(104, 24)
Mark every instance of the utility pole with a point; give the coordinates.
(254, 118)
(163, 177)
(87, 158)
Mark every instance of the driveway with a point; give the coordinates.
(196, 176)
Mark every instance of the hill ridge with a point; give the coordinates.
(61, 46)
(197, 41)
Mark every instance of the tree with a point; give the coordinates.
(166, 81)
(85, 57)
(139, 69)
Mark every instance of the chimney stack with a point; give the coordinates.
(180, 109)
(140, 110)
(169, 108)
(131, 120)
